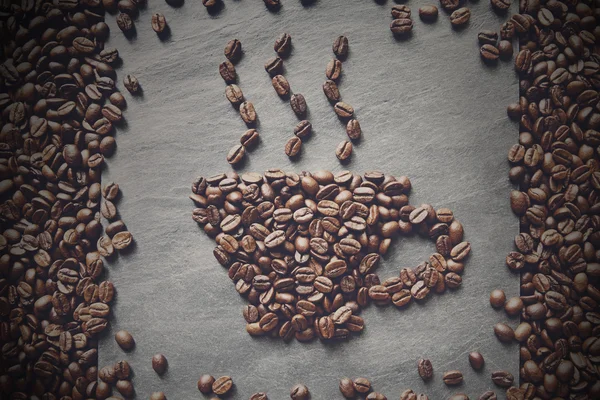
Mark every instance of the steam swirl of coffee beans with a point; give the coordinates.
(59, 108)
(304, 248)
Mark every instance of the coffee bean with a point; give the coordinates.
(502, 378)
(299, 392)
(513, 306)
(249, 138)
(487, 37)
(248, 113)
(489, 53)
(298, 104)
(131, 83)
(449, 5)
(259, 396)
(210, 3)
(500, 5)
(222, 385)
(272, 4)
(293, 146)
(155, 396)
(122, 370)
(234, 94)
(489, 395)
(362, 385)
(124, 340)
(425, 369)
(125, 388)
(353, 129)
(343, 150)
(333, 70)
(283, 45)
(159, 364)
(125, 23)
(340, 47)
(428, 13)
(400, 11)
(122, 240)
(347, 388)
(281, 85)
(452, 377)
(476, 360)
(274, 66)
(233, 50)
(459, 396)
(159, 23)
(460, 17)
(504, 332)
(236, 154)
(343, 110)
(401, 26)
(505, 48)
(227, 71)
(375, 396)
(331, 91)
(303, 129)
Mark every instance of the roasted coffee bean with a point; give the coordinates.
(400, 11)
(274, 66)
(401, 26)
(283, 45)
(159, 364)
(460, 17)
(489, 395)
(476, 360)
(340, 47)
(347, 388)
(331, 91)
(298, 104)
(489, 53)
(205, 384)
(249, 138)
(234, 94)
(281, 85)
(125, 23)
(248, 113)
(502, 378)
(154, 396)
(299, 392)
(343, 150)
(497, 298)
(505, 49)
(362, 385)
(504, 332)
(293, 147)
(233, 50)
(303, 129)
(452, 378)
(159, 23)
(487, 37)
(500, 5)
(125, 340)
(131, 83)
(353, 129)
(425, 369)
(227, 72)
(236, 154)
(428, 13)
(343, 110)
(333, 70)
(449, 5)
(222, 385)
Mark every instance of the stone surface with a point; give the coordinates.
(429, 109)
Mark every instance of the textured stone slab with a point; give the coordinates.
(429, 109)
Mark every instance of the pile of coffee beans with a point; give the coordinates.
(304, 249)
(59, 107)
(233, 93)
(556, 167)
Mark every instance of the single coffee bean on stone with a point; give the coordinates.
(125, 340)
(233, 50)
(428, 13)
(401, 26)
(227, 72)
(331, 91)
(125, 23)
(250, 138)
(222, 385)
(497, 298)
(333, 70)
(460, 17)
(343, 110)
(343, 150)
(340, 47)
(303, 129)
(205, 384)
(283, 45)
(274, 66)
(248, 113)
(353, 129)
(347, 388)
(489, 395)
(502, 378)
(362, 385)
(234, 94)
(159, 23)
(487, 37)
(298, 104)
(452, 378)
(400, 11)
(131, 83)
(159, 364)
(505, 48)
(425, 369)
(450, 5)
(210, 3)
(489, 53)
(299, 392)
(476, 360)
(459, 396)
(154, 395)
(293, 146)
(500, 5)
(504, 332)
(281, 85)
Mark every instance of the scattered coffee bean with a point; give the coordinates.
(362, 385)
(400, 11)
(125, 23)
(452, 378)
(283, 45)
(343, 110)
(340, 47)
(502, 378)
(401, 26)
(233, 50)
(249, 138)
(159, 363)
(331, 91)
(487, 37)
(234, 94)
(343, 150)
(489, 53)
(505, 48)
(303, 129)
(155, 396)
(293, 146)
(449, 5)
(124, 340)
(131, 83)
(504, 332)
(428, 13)
(425, 369)
(298, 104)
(205, 384)
(347, 388)
(281, 85)
(500, 5)
(227, 72)
(497, 298)
(353, 129)
(476, 360)
(299, 392)
(333, 70)
(222, 385)
(460, 17)
(159, 23)
(274, 66)
(248, 113)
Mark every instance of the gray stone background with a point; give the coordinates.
(429, 108)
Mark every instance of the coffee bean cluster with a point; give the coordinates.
(402, 22)
(59, 107)
(233, 93)
(275, 69)
(117, 375)
(556, 167)
(351, 388)
(304, 249)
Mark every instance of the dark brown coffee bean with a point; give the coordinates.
(452, 377)
(504, 332)
(236, 154)
(159, 364)
(222, 385)
(489, 53)
(428, 13)
(293, 147)
(233, 50)
(347, 388)
(400, 11)
(250, 138)
(487, 37)
(502, 378)
(131, 83)
(425, 369)
(227, 72)
(331, 91)
(125, 340)
(125, 23)
(505, 48)
(303, 129)
(298, 104)
(234, 94)
(362, 385)
(248, 113)
(489, 395)
(500, 5)
(274, 66)
(460, 17)
(343, 110)
(476, 360)
(333, 70)
(401, 26)
(283, 45)
(159, 23)
(340, 47)
(353, 129)
(449, 5)
(299, 392)
(343, 150)
(281, 85)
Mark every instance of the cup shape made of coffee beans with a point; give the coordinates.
(303, 249)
